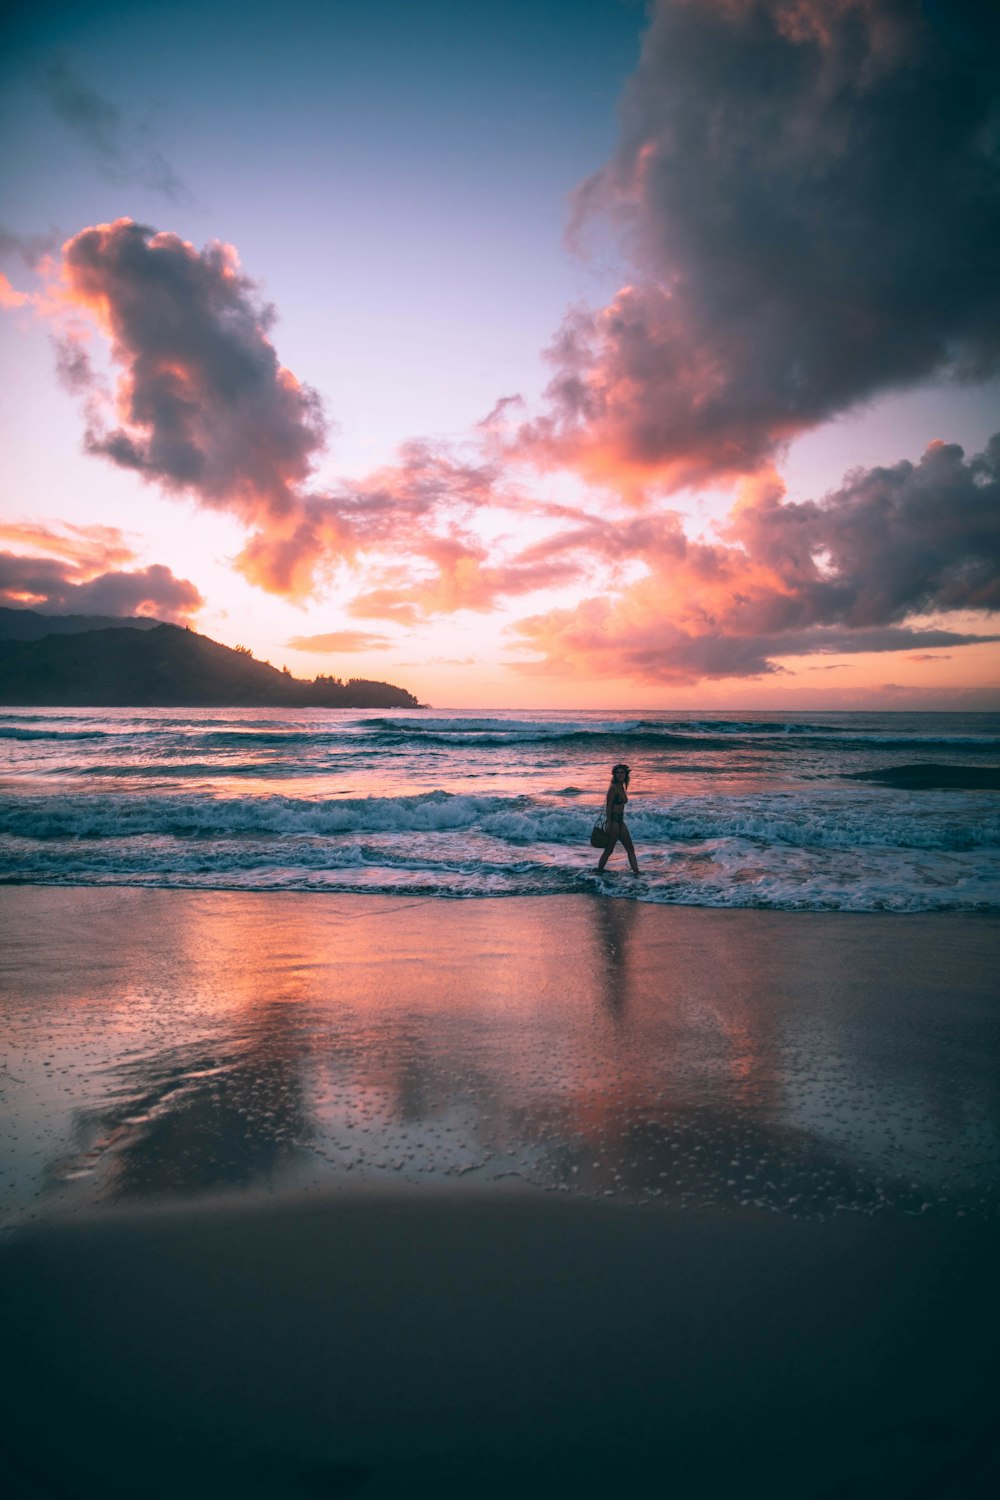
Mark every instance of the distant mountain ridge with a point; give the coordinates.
(32, 625)
(146, 664)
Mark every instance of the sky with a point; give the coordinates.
(588, 354)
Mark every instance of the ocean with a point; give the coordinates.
(763, 810)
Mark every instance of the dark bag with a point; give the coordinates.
(599, 834)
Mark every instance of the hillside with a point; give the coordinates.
(165, 667)
(31, 625)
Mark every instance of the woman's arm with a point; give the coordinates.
(612, 813)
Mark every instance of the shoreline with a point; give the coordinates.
(475, 898)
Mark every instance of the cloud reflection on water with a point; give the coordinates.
(182, 1044)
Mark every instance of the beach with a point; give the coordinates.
(500, 751)
(319, 1194)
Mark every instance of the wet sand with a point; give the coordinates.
(315, 1196)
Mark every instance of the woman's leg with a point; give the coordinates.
(626, 839)
(614, 833)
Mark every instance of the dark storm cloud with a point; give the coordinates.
(54, 585)
(890, 543)
(121, 152)
(810, 194)
(206, 404)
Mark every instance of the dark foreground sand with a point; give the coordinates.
(314, 1197)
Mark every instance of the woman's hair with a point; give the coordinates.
(621, 766)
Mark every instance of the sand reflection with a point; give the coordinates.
(182, 1045)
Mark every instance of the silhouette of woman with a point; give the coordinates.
(614, 813)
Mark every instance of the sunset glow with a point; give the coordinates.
(525, 358)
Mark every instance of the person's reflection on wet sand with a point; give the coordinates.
(615, 920)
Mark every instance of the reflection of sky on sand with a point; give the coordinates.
(174, 1045)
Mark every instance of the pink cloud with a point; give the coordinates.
(842, 575)
(89, 548)
(339, 640)
(59, 567)
(52, 586)
(10, 297)
(203, 407)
